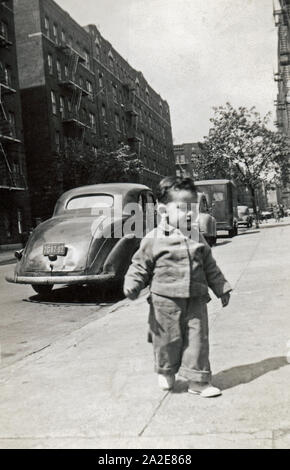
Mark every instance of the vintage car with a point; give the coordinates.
(92, 236)
(244, 216)
(85, 241)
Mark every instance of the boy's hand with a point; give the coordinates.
(131, 294)
(225, 298)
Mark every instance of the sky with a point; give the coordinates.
(196, 54)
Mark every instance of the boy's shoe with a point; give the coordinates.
(204, 390)
(166, 382)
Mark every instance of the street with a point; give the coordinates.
(76, 372)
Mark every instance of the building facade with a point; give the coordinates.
(14, 199)
(282, 77)
(76, 87)
(184, 159)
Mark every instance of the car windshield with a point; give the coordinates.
(90, 201)
(243, 209)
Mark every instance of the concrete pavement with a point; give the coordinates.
(95, 388)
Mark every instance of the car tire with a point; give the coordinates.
(42, 290)
(233, 232)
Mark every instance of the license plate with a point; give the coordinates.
(54, 249)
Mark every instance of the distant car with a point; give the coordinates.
(244, 216)
(79, 245)
(268, 213)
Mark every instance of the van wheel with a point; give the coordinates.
(42, 290)
(233, 232)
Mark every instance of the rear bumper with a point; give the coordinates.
(50, 280)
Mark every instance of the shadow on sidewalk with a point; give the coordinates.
(247, 373)
(248, 232)
(239, 375)
(225, 242)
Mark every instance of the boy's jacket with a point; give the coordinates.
(175, 266)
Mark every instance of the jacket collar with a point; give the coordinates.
(168, 229)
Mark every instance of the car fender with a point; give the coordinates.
(119, 259)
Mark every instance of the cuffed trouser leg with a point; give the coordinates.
(179, 332)
(166, 335)
(195, 363)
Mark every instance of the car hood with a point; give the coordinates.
(76, 234)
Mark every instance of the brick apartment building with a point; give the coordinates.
(184, 153)
(282, 77)
(14, 200)
(75, 85)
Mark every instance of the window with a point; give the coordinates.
(53, 102)
(182, 158)
(66, 71)
(54, 32)
(11, 117)
(147, 95)
(115, 94)
(89, 87)
(101, 84)
(57, 141)
(117, 122)
(87, 58)
(93, 122)
(61, 107)
(95, 150)
(63, 37)
(7, 74)
(111, 61)
(104, 112)
(46, 26)
(50, 64)
(58, 69)
(4, 29)
(90, 202)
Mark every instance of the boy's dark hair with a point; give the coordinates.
(173, 183)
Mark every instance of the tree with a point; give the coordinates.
(241, 147)
(82, 166)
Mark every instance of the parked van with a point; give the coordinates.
(207, 223)
(222, 199)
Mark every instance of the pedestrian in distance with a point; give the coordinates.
(276, 212)
(177, 263)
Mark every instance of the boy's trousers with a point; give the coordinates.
(179, 333)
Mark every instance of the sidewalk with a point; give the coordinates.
(95, 388)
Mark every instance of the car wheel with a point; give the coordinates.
(42, 290)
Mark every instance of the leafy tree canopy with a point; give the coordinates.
(241, 147)
(84, 166)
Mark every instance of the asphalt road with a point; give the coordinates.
(29, 324)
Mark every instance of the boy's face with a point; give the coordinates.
(182, 209)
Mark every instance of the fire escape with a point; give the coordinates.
(131, 113)
(73, 123)
(282, 77)
(10, 169)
